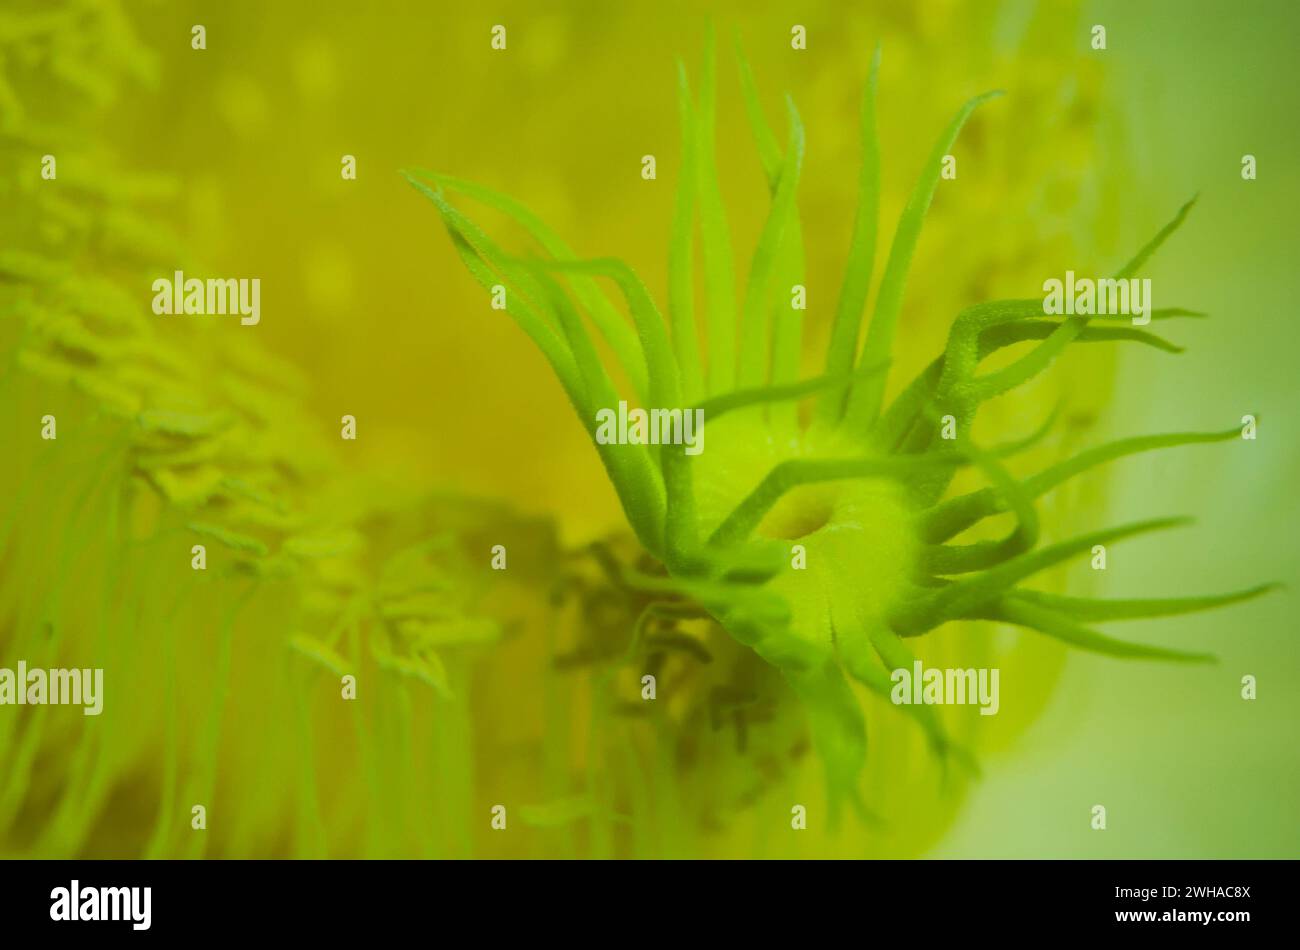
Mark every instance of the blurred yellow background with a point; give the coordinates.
(360, 286)
(1076, 166)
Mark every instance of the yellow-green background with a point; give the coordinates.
(362, 291)
(1186, 768)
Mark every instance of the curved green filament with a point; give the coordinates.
(715, 240)
(630, 467)
(955, 515)
(1129, 269)
(862, 251)
(487, 263)
(966, 598)
(613, 327)
(787, 323)
(681, 247)
(743, 398)
(1060, 627)
(1028, 366)
(754, 357)
(1089, 609)
(999, 337)
(769, 149)
(863, 655)
(665, 383)
(956, 559)
(864, 400)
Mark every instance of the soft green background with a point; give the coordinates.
(1184, 766)
(397, 333)
(363, 293)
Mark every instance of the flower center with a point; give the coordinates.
(802, 512)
